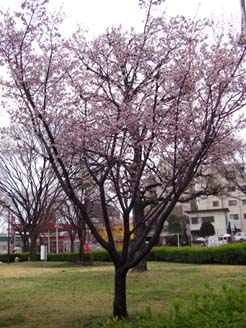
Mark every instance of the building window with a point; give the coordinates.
(243, 189)
(194, 220)
(244, 216)
(215, 203)
(231, 188)
(232, 202)
(244, 201)
(230, 175)
(242, 170)
(208, 219)
(234, 216)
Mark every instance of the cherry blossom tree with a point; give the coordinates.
(125, 107)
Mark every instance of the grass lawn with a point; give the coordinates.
(36, 294)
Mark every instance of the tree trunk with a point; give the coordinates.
(139, 225)
(71, 245)
(25, 242)
(138, 214)
(119, 306)
(81, 249)
(33, 247)
(72, 238)
(81, 234)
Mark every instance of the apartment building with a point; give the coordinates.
(226, 211)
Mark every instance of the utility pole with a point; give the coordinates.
(8, 236)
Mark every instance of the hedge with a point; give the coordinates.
(101, 256)
(11, 257)
(224, 254)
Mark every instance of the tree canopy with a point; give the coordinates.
(207, 229)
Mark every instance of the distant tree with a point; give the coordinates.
(207, 229)
(74, 218)
(68, 216)
(175, 224)
(28, 186)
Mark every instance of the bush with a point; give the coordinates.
(98, 256)
(11, 258)
(225, 309)
(63, 257)
(234, 254)
(224, 254)
(207, 229)
(5, 258)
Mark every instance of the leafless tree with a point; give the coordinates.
(74, 218)
(28, 187)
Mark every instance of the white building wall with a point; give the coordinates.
(219, 220)
(233, 200)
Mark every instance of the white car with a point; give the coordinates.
(240, 236)
(217, 240)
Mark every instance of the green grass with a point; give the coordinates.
(53, 294)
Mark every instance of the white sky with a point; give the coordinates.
(97, 15)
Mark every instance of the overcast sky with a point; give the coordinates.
(96, 15)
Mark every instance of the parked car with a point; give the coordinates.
(94, 247)
(240, 236)
(218, 240)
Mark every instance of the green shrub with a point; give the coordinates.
(7, 258)
(234, 254)
(63, 257)
(26, 256)
(11, 257)
(224, 309)
(225, 254)
(97, 256)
